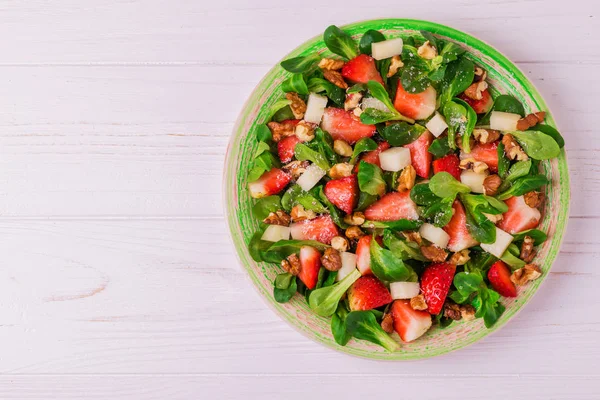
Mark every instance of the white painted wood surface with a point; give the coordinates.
(118, 278)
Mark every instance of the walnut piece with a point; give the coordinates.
(413, 237)
(460, 257)
(299, 213)
(434, 253)
(486, 135)
(298, 105)
(529, 272)
(495, 218)
(459, 142)
(279, 130)
(480, 74)
(331, 259)
(342, 148)
(279, 217)
(491, 183)
(305, 131)
(472, 164)
(387, 323)
(467, 312)
(418, 303)
(533, 199)
(331, 64)
(291, 264)
(341, 170)
(474, 91)
(395, 65)
(406, 180)
(427, 51)
(530, 120)
(512, 149)
(354, 232)
(340, 243)
(358, 218)
(352, 101)
(296, 168)
(335, 78)
(527, 250)
(452, 311)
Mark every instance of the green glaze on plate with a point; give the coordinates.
(504, 77)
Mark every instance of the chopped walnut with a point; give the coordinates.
(395, 65)
(418, 303)
(298, 105)
(533, 199)
(527, 250)
(387, 323)
(279, 217)
(495, 218)
(335, 78)
(299, 213)
(340, 243)
(529, 272)
(491, 183)
(512, 149)
(530, 120)
(354, 232)
(460, 257)
(480, 74)
(296, 168)
(475, 90)
(486, 135)
(305, 131)
(341, 170)
(472, 164)
(342, 148)
(467, 312)
(452, 311)
(358, 218)
(459, 142)
(331, 259)
(331, 64)
(434, 253)
(352, 101)
(291, 264)
(413, 237)
(427, 51)
(279, 130)
(406, 180)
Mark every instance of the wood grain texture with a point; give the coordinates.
(119, 280)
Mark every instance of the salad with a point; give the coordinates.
(396, 189)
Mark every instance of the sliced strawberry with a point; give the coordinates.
(408, 323)
(450, 164)
(435, 283)
(460, 238)
(484, 152)
(310, 263)
(367, 293)
(419, 155)
(345, 126)
(286, 147)
(499, 276)
(372, 157)
(480, 106)
(519, 216)
(415, 105)
(363, 254)
(343, 193)
(322, 229)
(271, 182)
(361, 69)
(392, 207)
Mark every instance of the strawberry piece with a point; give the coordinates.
(372, 157)
(419, 155)
(367, 293)
(519, 216)
(361, 69)
(415, 105)
(345, 126)
(484, 152)
(408, 323)
(480, 106)
(435, 283)
(460, 238)
(450, 164)
(392, 207)
(322, 229)
(499, 276)
(285, 148)
(310, 263)
(363, 254)
(343, 193)
(269, 183)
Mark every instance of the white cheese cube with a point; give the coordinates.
(348, 265)
(503, 240)
(394, 159)
(404, 290)
(275, 233)
(473, 180)
(386, 49)
(310, 177)
(437, 125)
(372, 102)
(315, 107)
(503, 121)
(435, 235)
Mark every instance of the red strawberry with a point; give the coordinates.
(450, 164)
(460, 238)
(519, 216)
(310, 263)
(286, 147)
(271, 182)
(419, 155)
(322, 229)
(480, 106)
(345, 126)
(435, 283)
(415, 105)
(392, 207)
(363, 254)
(499, 276)
(343, 193)
(372, 157)
(484, 152)
(361, 69)
(408, 323)
(367, 293)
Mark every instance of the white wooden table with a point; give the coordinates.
(118, 279)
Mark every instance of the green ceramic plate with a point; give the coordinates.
(504, 77)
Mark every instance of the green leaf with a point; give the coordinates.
(338, 326)
(513, 261)
(537, 145)
(432, 39)
(468, 128)
(288, 200)
(282, 249)
(422, 195)
(371, 36)
(467, 283)
(503, 162)
(278, 105)
(439, 213)
(335, 94)
(330, 280)
(295, 83)
(440, 147)
(336, 215)
(538, 236)
(524, 185)
(492, 312)
(365, 200)
(357, 88)
(363, 145)
(256, 246)
(263, 133)
(284, 287)
(303, 152)
(383, 66)
(401, 248)
(443, 184)
(363, 325)
(478, 225)
(399, 225)
(283, 281)
(518, 170)
(387, 267)
(480, 262)
(456, 118)
(459, 75)
(414, 79)
(263, 161)
(299, 65)
(401, 133)
(497, 204)
(324, 301)
(370, 179)
(378, 91)
(323, 143)
(550, 131)
(450, 52)
(340, 43)
(372, 116)
(265, 206)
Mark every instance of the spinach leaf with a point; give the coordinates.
(282, 249)
(399, 225)
(295, 83)
(323, 143)
(256, 246)
(401, 248)
(478, 225)
(512, 259)
(387, 267)
(371, 36)
(263, 133)
(550, 131)
(538, 236)
(468, 128)
(422, 195)
(289, 198)
(504, 103)
(372, 116)
(439, 213)
(284, 287)
(378, 91)
(383, 66)
(303, 152)
(330, 280)
(363, 145)
(443, 184)
(458, 123)
(299, 65)
(335, 94)
(340, 43)
(414, 79)
(524, 185)
(480, 261)
(401, 133)
(338, 326)
(518, 170)
(459, 75)
(263, 207)
(365, 200)
(357, 88)
(429, 36)
(503, 162)
(363, 325)
(336, 214)
(278, 105)
(440, 147)
(450, 51)
(263, 161)
(324, 301)
(282, 114)
(497, 204)
(485, 300)
(295, 195)
(370, 179)
(537, 145)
